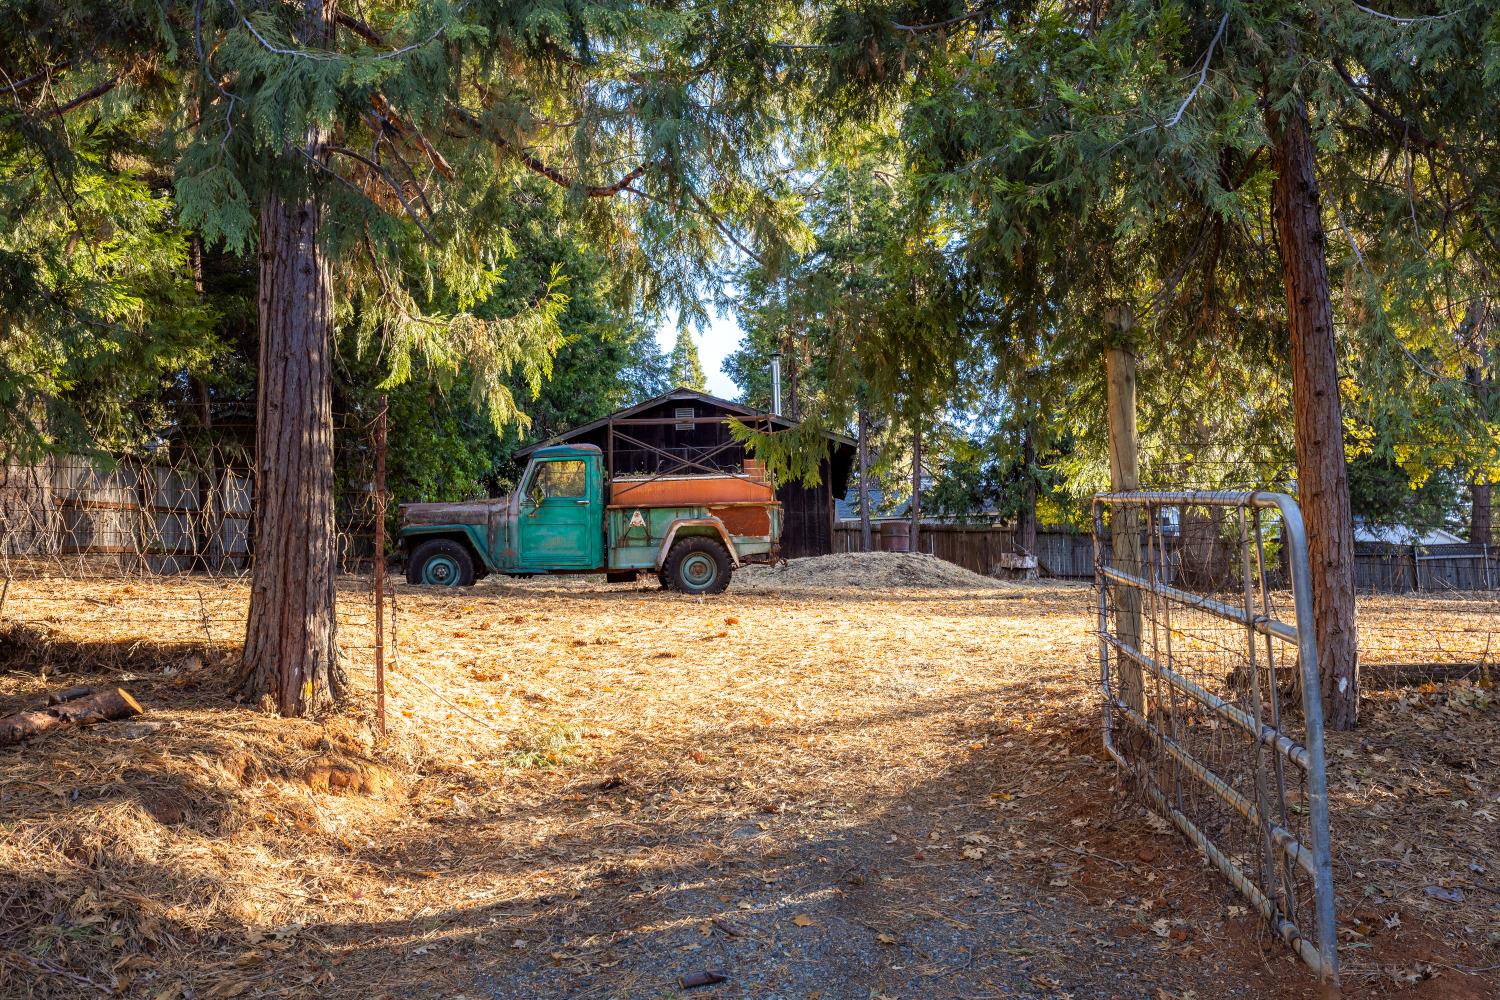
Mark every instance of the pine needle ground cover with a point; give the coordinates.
(814, 786)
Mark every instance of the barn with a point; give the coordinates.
(688, 431)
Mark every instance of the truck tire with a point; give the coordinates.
(440, 562)
(697, 565)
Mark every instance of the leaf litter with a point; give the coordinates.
(606, 788)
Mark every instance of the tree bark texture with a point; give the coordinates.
(1322, 476)
(1481, 509)
(85, 709)
(916, 489)
(1481, 514)
(291, 649)
(1026, 520)
(1125, 522)
(865, 541)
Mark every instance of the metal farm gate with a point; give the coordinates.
(1209, 670)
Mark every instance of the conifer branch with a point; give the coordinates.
(553, 174)
(22, 84)
(303, 53)
(1408, 20)
(380, 172)
(92, 94)
(1408, 131)
(360, 28)
(388, 113)
(915, 29)
(1208, 59)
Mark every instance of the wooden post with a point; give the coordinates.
(1124, 477)
(380, 423)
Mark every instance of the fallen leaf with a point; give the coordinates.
(802, 920)
(1446, 895)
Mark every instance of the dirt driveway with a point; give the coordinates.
(813, 793)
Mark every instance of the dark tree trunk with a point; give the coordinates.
(1481, 514)
(864, 481)
(916, 489)
(290, 647)
(1322, 477)
(1026, 519)
(291, 650)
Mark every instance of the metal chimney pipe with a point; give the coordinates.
(776, 382)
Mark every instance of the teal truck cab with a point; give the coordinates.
(693, 531)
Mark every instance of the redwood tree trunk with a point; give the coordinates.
(291, 650)
(1322, 478)
(290, 647)
(1481, 497)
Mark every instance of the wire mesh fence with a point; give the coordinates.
(153, 548)
(1209, 674)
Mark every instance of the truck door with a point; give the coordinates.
(560, 517)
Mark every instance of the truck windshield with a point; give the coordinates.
(565, 478)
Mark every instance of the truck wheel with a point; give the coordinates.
(440, 563)
(698, 565)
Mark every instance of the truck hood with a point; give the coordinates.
(463, 512)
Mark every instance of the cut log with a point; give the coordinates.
(109, 705)
(68, 694)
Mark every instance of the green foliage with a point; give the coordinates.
(1381, 494)
(97, 307)
(687, 369)
(438, 138)
(1099, 175)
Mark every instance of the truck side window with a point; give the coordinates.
(567, 478)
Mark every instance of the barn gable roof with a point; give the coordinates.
(681, 393)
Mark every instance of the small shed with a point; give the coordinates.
(688, 430)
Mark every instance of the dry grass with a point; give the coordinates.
(620, 785)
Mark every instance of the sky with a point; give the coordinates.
(715, 343)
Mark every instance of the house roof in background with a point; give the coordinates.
(1400, 534)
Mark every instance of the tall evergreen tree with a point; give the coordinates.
(390, 139)
(686, 367)
(1131, 166)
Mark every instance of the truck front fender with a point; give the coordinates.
(708, 526)
(472, 535)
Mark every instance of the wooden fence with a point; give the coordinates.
(1378, 568)
(1400, 569)
(978, 547)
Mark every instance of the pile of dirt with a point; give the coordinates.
(865, 571)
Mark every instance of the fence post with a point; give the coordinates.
(379, 567)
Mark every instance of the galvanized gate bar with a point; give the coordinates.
(1316, 945)
(1284, 744)
(1261, 624)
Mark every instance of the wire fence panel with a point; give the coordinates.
(1208, 667)
(151, 550)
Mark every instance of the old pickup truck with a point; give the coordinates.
(692, 531)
